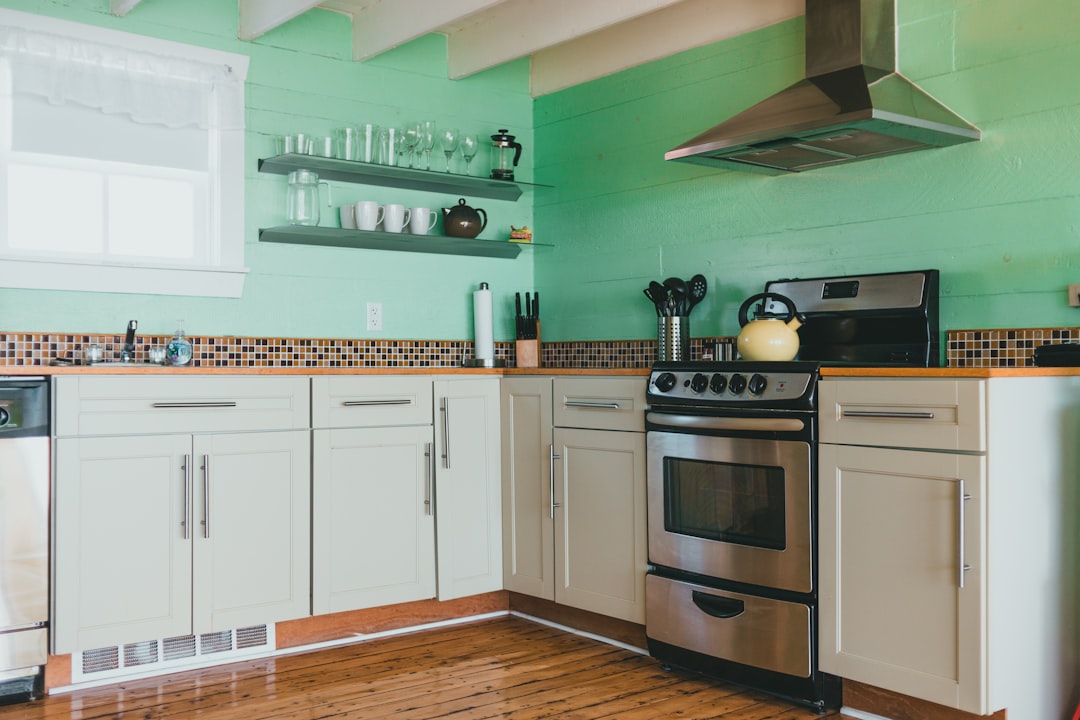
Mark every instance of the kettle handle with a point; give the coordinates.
(483, 221)
(784, 300)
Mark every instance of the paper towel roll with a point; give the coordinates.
(482, 323)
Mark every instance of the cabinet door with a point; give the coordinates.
(373, 538)
(527, 485)
(468, 488)
(600, 555)
(893, 612)
(252, 531)
(121, 555)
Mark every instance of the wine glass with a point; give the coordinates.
(427, 140)
(469, 145)
(449, 141)
(412, 135)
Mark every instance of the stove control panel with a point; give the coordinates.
(742, 386)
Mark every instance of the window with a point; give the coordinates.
(121, 161)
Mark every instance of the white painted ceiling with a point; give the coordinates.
(569, 41)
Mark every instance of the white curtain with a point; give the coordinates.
(147, 87)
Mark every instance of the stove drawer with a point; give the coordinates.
(760, 632)
(935, 414)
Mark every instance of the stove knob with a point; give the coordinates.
(665, 381)
(737, 384)
(718, 383)
(5, 417)
(699, 382)
(757, 384)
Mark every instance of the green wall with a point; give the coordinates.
(302, 78)
(999, 218)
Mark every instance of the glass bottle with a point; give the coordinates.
(179, 350)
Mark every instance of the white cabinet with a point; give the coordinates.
(373, 538)
(161, 530)
(468, 487)
(575, 494)
(947, 563)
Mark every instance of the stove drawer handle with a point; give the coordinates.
(718, 607)
(701, 422)
(884, 414)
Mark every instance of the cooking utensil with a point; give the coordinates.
(767, 337)
(678, 290)
(698, 287)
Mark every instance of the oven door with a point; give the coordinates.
(732, 508)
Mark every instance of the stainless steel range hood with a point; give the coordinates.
(853, 104)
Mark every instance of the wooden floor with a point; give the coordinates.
(501, 668)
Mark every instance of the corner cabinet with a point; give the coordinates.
(574, 481)
(353, 171)
(181, 506)
(947, 565)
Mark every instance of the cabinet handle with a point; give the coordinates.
(962, 497)
(552, 457)
(206, 495)
(446, 433)
(196, 404)
(586, 404)
(370, 403)
(187, 497)
(883, 414)
(430, 455)
(716, 606)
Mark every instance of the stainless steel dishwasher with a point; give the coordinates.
(24, 536)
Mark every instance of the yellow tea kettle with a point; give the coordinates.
(768, 337)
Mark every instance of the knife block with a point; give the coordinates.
(527, 352)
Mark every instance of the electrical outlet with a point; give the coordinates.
(1074, 295)
(374, 316)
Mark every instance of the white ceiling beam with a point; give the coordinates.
(685, 25)
(521, 27)
(383, 25)
(120, 8)
(258, 17)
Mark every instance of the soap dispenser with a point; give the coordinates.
(179, 350)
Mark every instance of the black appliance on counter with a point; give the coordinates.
(731, 471)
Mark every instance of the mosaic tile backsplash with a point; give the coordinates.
(964, 348)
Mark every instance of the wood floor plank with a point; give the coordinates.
(495, 668)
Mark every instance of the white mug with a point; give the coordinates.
(418, 220)
(368, 214)
(395, 217)
(348, 217)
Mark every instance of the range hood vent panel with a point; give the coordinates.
(840, 114)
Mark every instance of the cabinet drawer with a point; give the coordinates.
(606, 403)
(132, 404)
(935, 414)
(372, 401)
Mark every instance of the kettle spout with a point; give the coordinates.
(796, 322)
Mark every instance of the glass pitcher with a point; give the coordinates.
(302, 203)
(505, 154)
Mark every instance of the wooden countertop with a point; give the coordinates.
(949, 372)
(24, 370)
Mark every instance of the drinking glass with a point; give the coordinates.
(411, 135)
(449, 139)
(469, 145)
(427, 140)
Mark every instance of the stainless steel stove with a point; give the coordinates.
(732, 485)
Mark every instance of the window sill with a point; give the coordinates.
(138, 279)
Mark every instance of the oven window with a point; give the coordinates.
(742, 504)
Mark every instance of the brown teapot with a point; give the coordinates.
(463, 221)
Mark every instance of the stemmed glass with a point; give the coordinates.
(469, 145)
(449, 140)
(427, 140)
(412, 136)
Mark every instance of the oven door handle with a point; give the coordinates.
(717, 607)
(705, 422)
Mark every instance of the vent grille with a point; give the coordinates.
(156, 657)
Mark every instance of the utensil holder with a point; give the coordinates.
(527, 352)
(673, 338)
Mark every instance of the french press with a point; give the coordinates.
(505, 161)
